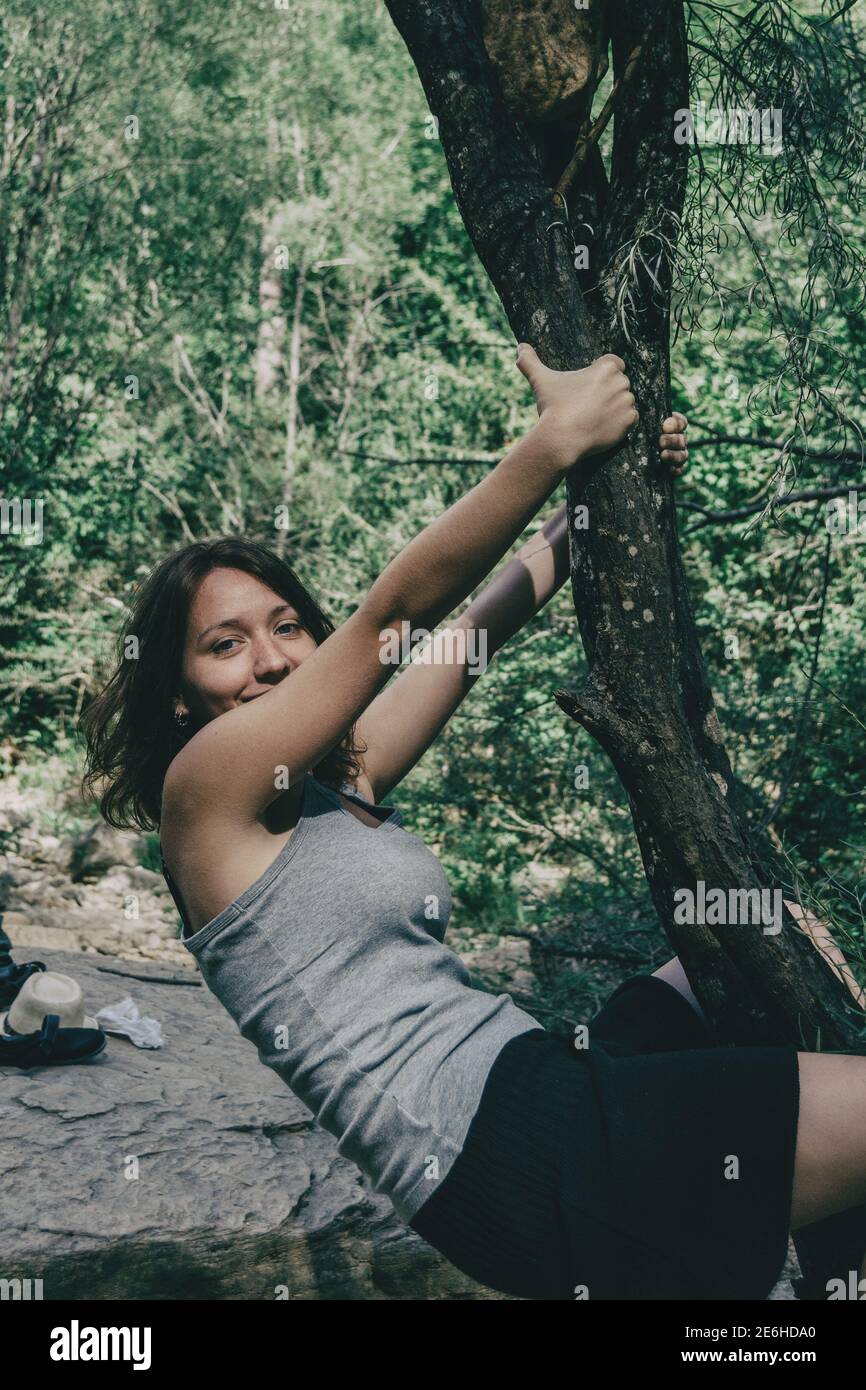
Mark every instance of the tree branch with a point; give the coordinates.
(757, 442)
(811, 494)
(583, 147)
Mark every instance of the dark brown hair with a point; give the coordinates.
(129, 727)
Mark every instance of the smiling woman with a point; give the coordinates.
(257, 650)
(149, 709)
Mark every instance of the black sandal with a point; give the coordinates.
(12, 977)
(51, 1046)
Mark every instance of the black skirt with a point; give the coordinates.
(646, 1165)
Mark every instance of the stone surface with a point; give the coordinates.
(101, 847)
(86, 892)
(189, 1172)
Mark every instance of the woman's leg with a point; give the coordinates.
(830, 1157)
(672, 972)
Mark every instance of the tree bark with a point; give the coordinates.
(646, 699)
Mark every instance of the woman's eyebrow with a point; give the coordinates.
(239, 622)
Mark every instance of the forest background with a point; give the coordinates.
(235, 290)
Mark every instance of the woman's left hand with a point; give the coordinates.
(673, 443)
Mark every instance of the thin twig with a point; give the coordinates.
(583, 147)
(592, 951)
(149, 979)
(807, 695)
(754, 441)
(381, 458)
(812, 494)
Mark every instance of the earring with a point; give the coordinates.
(180, 719)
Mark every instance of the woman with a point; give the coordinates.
(646, 1164)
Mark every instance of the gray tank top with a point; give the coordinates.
(332, 965)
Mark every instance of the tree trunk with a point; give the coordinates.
(268, 365)
(646, 699)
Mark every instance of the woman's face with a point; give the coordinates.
(242, 639)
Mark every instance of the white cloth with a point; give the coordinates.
(124, 1018)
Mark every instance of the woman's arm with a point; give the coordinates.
(523, 586)
(541, 566)
(399, 726)
(581, 414)
(235, 766)
(401, 723)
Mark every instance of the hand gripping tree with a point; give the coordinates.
(584, 253)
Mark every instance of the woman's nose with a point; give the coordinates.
(269, 659)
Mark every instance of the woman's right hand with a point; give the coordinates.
(580, 413)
